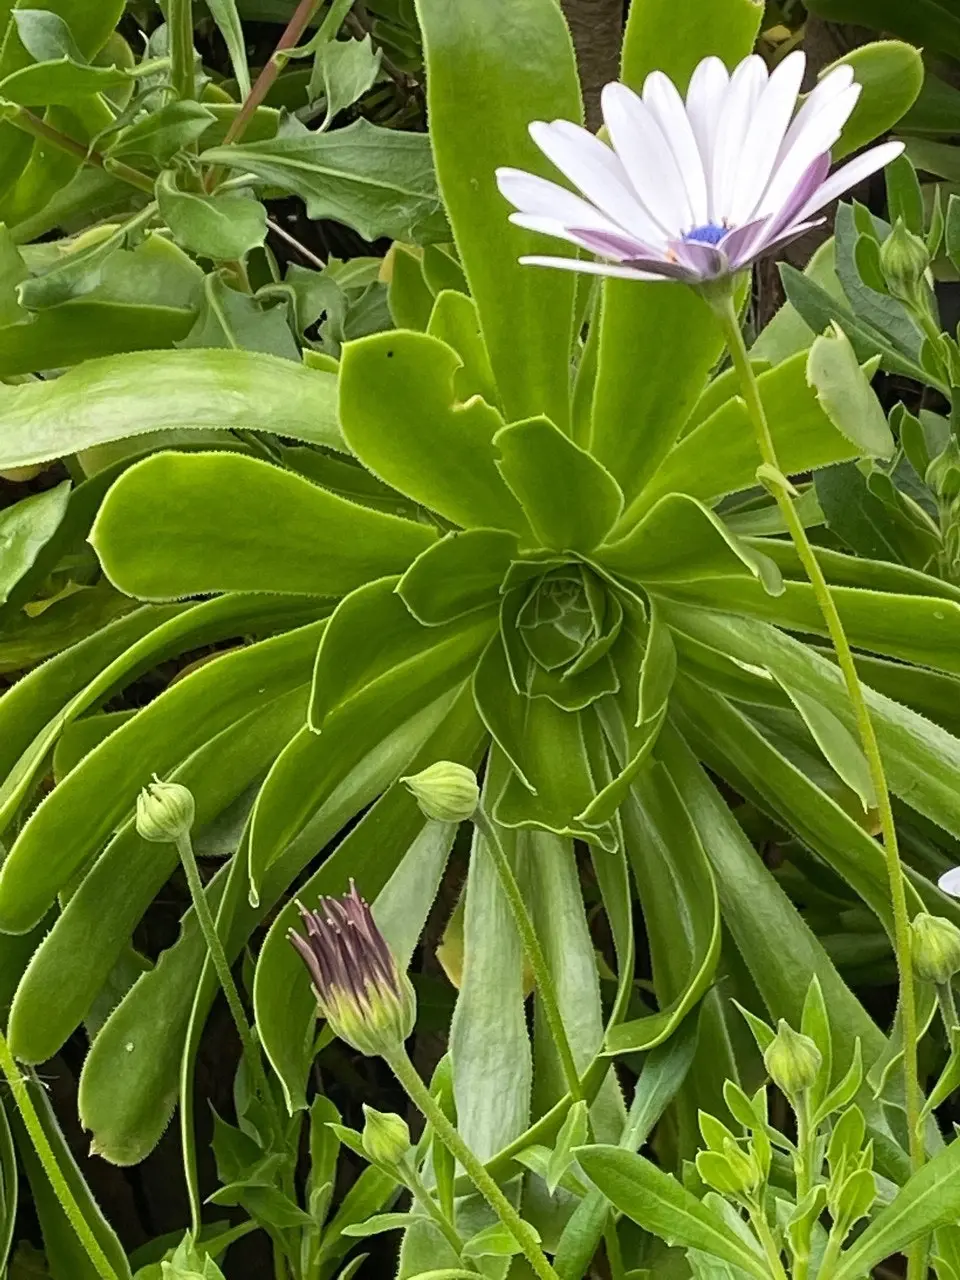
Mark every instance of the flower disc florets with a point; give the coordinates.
(694, 190)
(360, 989)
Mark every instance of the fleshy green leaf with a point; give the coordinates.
(505, 63)
(458, 574)
(221, 512)
(25, 528)
(571, 501)
(127, 395)
(846, 396)
(398, 408)
(891, 74)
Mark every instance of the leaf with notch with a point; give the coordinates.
(223, 227)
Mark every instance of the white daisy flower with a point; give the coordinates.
(949, 882)
(694, 190)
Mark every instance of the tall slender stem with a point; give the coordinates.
(429, 1205)
(406, 1073)
(724, 308)
(208, 928)
(37, 128)
(45, 1154)
(542, 976)
(765, 1236)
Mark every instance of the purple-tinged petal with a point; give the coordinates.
(817, 136)
(848, 175)
(610, 245)
(765, 245)
(702, 261)
(621, 272)
(753, 238)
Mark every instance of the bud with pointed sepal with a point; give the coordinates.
(904, 259)
(936, 948)
(792, 1060)
(386, 1137)
(445, 791)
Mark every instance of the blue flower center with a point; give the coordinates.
(709, 233)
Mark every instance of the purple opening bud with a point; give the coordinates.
(360, 990)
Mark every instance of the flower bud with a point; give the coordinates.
(792, 1060)
(367, 1001)
(164, 812)
(386, 1138)
(936, 948)
(445, 791)
(943, 473)
(904, 259)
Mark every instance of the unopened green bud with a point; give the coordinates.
(732, 1172)
(164, 812)
(445, 791)
(904, 259)
(943, 473)
(792, 1060)
(386, 1138)
(936, 948)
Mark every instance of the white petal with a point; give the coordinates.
(765, 135)
(646, 157)
(705, 95)
(595, 169)
(590, 268)
(746, 85)
(849, 175)
(666, 106)
(830, 87)
(949, 882)
(817, 136)
(540, 198)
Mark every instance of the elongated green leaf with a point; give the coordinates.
(636, 418)
(846, 396)
(127, 395)
(63, 82)
(8, 1189)
(99, 919)
(398, 407)
(931, 1198)
(379, 181)
(127, 1095)
(64, 832)
(285, 1004)
(227, 18)
(572, 502)
(804, 437)
(372, 637)
(25, 528)
(507, 62)
(461, 572)
(221, 512)
(681, 539)
(680, 907)
(661, 1204)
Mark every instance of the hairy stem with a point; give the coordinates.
(41, 1145)
(429, 1205)
(208, 928)
(724, 308)
(406, 1073)
(546, 989)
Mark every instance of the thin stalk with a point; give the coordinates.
(533, 951)
(726, 312)
(41, 1145)
(250, 1048)
(765, 1236)
(614, 1254)
(37, 128)
(406, 1073)
(180, 26)
(429, 1205)
(294, 243)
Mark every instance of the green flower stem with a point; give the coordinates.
(218, 958)
(41, 1145)
(533, 951)
(765, 1236)
(406, 1073)
(37, 128)
(724, 308)
(429, 1205)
